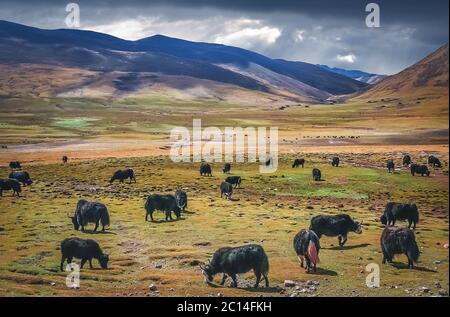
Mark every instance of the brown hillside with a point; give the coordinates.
(427, 77)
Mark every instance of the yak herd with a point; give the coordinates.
(232, 261)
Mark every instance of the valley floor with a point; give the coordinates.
(101, 137)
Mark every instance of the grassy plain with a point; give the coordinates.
(100, 136)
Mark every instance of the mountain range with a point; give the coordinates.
(77, 63)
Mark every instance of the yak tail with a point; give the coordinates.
(312, 252)
(265, 264)
(416, 214)
(105, 217)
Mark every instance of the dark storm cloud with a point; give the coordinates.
(321, 31)
(400, 10)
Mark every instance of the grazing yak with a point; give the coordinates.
(122, 175)
(316, 174)
(205, 169)
(434, 161)
(269, 161)
(233, 261)
(22, 177)
(298, 162)
(234, 180)
(227, 168)
(390, 166)
(227, 189)
(10, 184)
(65, 159)
(86, 250)
(335, 161)
(181, 199)
(399, 241)
(396, 211)
(90, 212)
(332, 226)
(419, 169)
(307, 246)
(15, 165)
(166, 203)
(406, 160)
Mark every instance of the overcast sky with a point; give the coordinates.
(315, 31)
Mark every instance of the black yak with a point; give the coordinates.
(181, 199)
(227, 189)
(298, 162)
(227, 168)
(10, 184)
(399, 241)
(390, 166)
(406, 160)
(335, 161)
(234, 180)
(396, 211)
(233, 261)
(419, 169)
(90, 212)
(121, 175)
(316, 174)
(65, 159)
(22, 177)
(434, 161)
(86, 250)
(307, 246)
(205, 169)
(166, 203)
(332, 226)
(15, 165)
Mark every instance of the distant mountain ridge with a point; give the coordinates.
(220, 64)
(358, 75)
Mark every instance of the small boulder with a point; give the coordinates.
(289, 283)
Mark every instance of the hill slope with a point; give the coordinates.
(427, 77)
